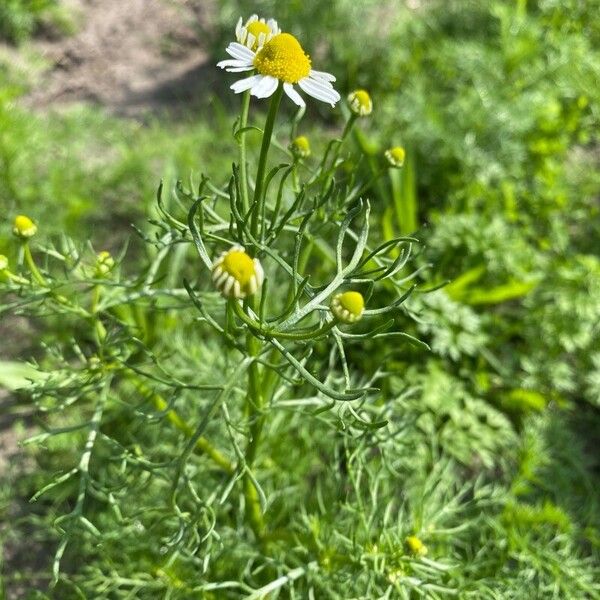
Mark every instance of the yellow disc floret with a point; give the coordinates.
(236, 274)
(283, 57)
(24, 227)
(360, 103)
(239, 265)
(348, 307)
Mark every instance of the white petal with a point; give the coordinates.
(322, 75)
(245, 84)
(239, 51)
(272, 23)
(228, 285)
(319, 90)
(233, 63)
(252, 19)
(237, 290)
(250, 40)
(238, 28)
(260, 274)
(266, 87)
(293, 95)
(239, 69)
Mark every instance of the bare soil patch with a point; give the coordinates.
(131, 56)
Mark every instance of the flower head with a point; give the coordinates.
(360, 103)
(348, 307)
(416, 546)
(280, 60)
(256, 31)
(395, 156)
(24, 227)
(237, 275)
(300, 147)
(104, 263)
(3, 263)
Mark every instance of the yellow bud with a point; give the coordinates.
(300, 147)
(416, 546)
(360, 103)
(237, 275)
(24, 227)
(348, 307)
(395, 156)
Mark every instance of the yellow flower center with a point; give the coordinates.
(258, 27)
(353, 302)
(282, 57)
(239, 265)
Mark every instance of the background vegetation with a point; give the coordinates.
(490, 453)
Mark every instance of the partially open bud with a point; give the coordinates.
(104, 263)
(24, 227)
(300, 147)
(416, 546)
(348, 307)
(237, 275)
(395, 156)
(360, 103)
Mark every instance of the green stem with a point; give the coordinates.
(32, 266)
(262, 161)
(243, 160)
(202, 444)
(255, 416)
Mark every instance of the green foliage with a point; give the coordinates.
(19, 19)
(481, 440)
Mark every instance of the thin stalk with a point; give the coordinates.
(32, 266)
(262, 161)
(243, 160)
(255, 416)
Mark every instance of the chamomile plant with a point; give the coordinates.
(265, 289)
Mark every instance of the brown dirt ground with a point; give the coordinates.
(130, 56)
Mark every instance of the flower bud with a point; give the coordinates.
(300, 147)
(395, 156)
(104, 263)
(360, 103)
(237, 275)
(415, 545)
(348, 307)
(3, 263)
(24, 227)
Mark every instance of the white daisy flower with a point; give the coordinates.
(256, 31)
(348, 307)
(237, 275)
(280, 59)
